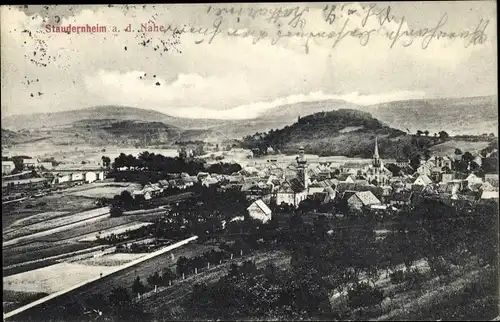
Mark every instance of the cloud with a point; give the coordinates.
(232, 77)
(181, 96)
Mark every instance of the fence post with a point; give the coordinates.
(169, 282)
(183, 276)
(195, 270)
(231, 255)
(208, 265)
(138, 296)
(241, 252)
(220, 261)
(155, 288)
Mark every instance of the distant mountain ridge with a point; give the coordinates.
(474, 115)
(118, 113)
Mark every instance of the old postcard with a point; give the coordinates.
(263, 161)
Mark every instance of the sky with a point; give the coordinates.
(359, 52)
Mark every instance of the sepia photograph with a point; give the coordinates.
(332, 161)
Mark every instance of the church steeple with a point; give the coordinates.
(376, 157)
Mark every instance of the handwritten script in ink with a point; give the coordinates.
(364, 24)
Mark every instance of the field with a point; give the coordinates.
(54, 223)
(98, 226)
(13, 300)
(37, 218)
(90, 154)
(107, 191)
(448, 147)
(169, 298)
(53, 278)
(116, 259)
(55, 202)
(115, 230)
(125, 278)
(35, 251)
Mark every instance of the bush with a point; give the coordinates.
(364, 295)
(116, 211)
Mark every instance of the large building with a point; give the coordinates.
(7, 167)
(294, 190)
(377, 172)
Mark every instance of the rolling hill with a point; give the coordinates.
(476, 115)
(118, 113)
(343, 132)
(119, 125)
(457, 116)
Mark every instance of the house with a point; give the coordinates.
(291, 192)
(77, 176)
(424, 169)
(401, 198)
(202, 175)
(45, 165)
(473, 179)
(321, 185)
(492, 178)
(402, 162)
(422, 180)
(446, 177)
(486, 186)
(360, 199)
(478, 161)
(147, 194)
(32, 182)
(100, 175)
(8, 167)
(90, 177)
(209, 181)
(29, 163)
(346, 177)
(260, 211)
(62, 178)
(488, 195)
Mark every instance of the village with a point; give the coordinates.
(374, 185)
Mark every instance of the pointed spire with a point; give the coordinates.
(375, 153)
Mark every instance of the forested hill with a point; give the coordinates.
(344, 132)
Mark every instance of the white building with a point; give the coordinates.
(90, 177)
(260, 211)
(422, 180)
(77, 176)
(8, 167)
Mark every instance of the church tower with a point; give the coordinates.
(376, 157)
(302, 167)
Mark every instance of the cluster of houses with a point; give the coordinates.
(8, 166)
(83, 177)
(360, 185)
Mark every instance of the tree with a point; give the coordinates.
(138, 287)
(119, 298)
(167, 275)
(116, 211)
(394, 168)
(106, 161)
(443, 135)
(426, 133)
(154, 279)
(364, 295)
(419, 132)
(415, 161)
